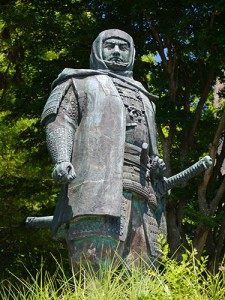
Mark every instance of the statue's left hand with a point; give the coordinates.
(64, 172)
(158, 166)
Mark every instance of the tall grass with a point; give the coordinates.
(187, 280)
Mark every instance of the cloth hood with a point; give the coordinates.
(96, 59)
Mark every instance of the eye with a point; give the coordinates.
(124, 47)
(109, 46)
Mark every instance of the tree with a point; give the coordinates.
(38, 39)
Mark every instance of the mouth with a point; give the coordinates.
(116, 60)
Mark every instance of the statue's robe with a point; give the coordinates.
(98, 142)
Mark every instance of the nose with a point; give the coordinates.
(116, 49)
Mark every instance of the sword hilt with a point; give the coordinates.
(169, 183)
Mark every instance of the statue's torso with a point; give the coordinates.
(97, 160)
(136, 125)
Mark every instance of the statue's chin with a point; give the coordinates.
(119, 66)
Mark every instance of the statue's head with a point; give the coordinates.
(113, 50)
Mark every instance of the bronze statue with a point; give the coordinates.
(101, 134)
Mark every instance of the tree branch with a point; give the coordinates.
(201, 103)
(160, 45)
(166, 145)
(217, 198)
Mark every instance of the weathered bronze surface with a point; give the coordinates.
(100, 123)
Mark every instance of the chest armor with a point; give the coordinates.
(134, 169)
(136, 125)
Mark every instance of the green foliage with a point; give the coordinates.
(38, 39)
(170, 280)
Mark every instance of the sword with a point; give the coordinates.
(39, 222)
(166, 184)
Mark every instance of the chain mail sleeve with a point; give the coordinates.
(61, 125)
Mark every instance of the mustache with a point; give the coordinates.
(117, 63)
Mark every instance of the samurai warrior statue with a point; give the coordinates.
(101, 134)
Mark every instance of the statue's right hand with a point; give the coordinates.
(64, 172)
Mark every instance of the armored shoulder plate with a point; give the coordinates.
(54, 100)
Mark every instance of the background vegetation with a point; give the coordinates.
(187, 280)
(180, 57)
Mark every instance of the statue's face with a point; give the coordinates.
(116, 53)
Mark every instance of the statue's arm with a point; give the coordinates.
(60, 130)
